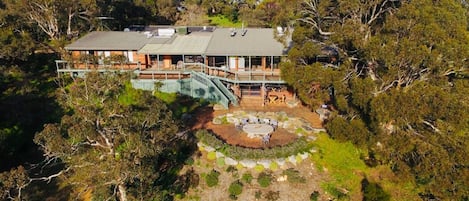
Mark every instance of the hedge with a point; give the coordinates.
(300, 145)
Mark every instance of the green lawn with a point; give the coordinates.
(222, 21)
(341, 161)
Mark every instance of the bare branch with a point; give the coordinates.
(313, 16)
(50, 177)
(431, 125)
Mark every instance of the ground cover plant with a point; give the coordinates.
(301, 145)
(343, 162)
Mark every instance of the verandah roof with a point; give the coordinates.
(192, 44)
(113, 40)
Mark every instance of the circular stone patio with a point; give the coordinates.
(289, 128)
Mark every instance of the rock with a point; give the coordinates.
(304, 155)
(280, 161)
(230, 161)
(217, 121)
(219, 107)
(311, 138)
(265, 163)
(248, 163)
(282, 178)
(209, 148)
(318, 130)
(219, 154)
(232, 120)
(292, 159)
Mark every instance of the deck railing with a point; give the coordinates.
(223, 73)
(69, 66)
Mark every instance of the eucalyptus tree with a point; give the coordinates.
(111, 140)
(399, 84)
(57, 21)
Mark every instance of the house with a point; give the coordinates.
(220, 64)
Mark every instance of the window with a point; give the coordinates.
(129, 55)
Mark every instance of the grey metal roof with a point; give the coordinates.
(114, 40)
(194, 44)
(255, 42)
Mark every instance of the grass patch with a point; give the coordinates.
(168, 98)
(130, 95)
(343, 163)
(294, 176)
(223, 21)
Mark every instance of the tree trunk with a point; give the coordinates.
(122, 193)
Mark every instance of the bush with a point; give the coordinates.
(294, 176)
(221, 161)
(273, 166)
(264, 179)
(259, 168)
(211, 155)
(212, 178)
(235, 189)
(247, 177)
(301, 145)
(373, 191)
(314, 196)
(232, 169)
(258, 195)
(189, 161)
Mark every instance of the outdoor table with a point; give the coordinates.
(257, 130)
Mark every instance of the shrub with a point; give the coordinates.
(314, 196)
(273, 166)
(247, 177)
(264, 179)
(231, 169)
(300, 145)
(212, 178)
(189, 161)
(221, 161)
(259, 168)
(373, 191)
(235, 189)
(211, 155)
(294, 176)
(258, 195)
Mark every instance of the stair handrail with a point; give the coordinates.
(223, 99)
(226, 91)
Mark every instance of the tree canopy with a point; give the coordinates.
(111, 139)
(398, 88)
